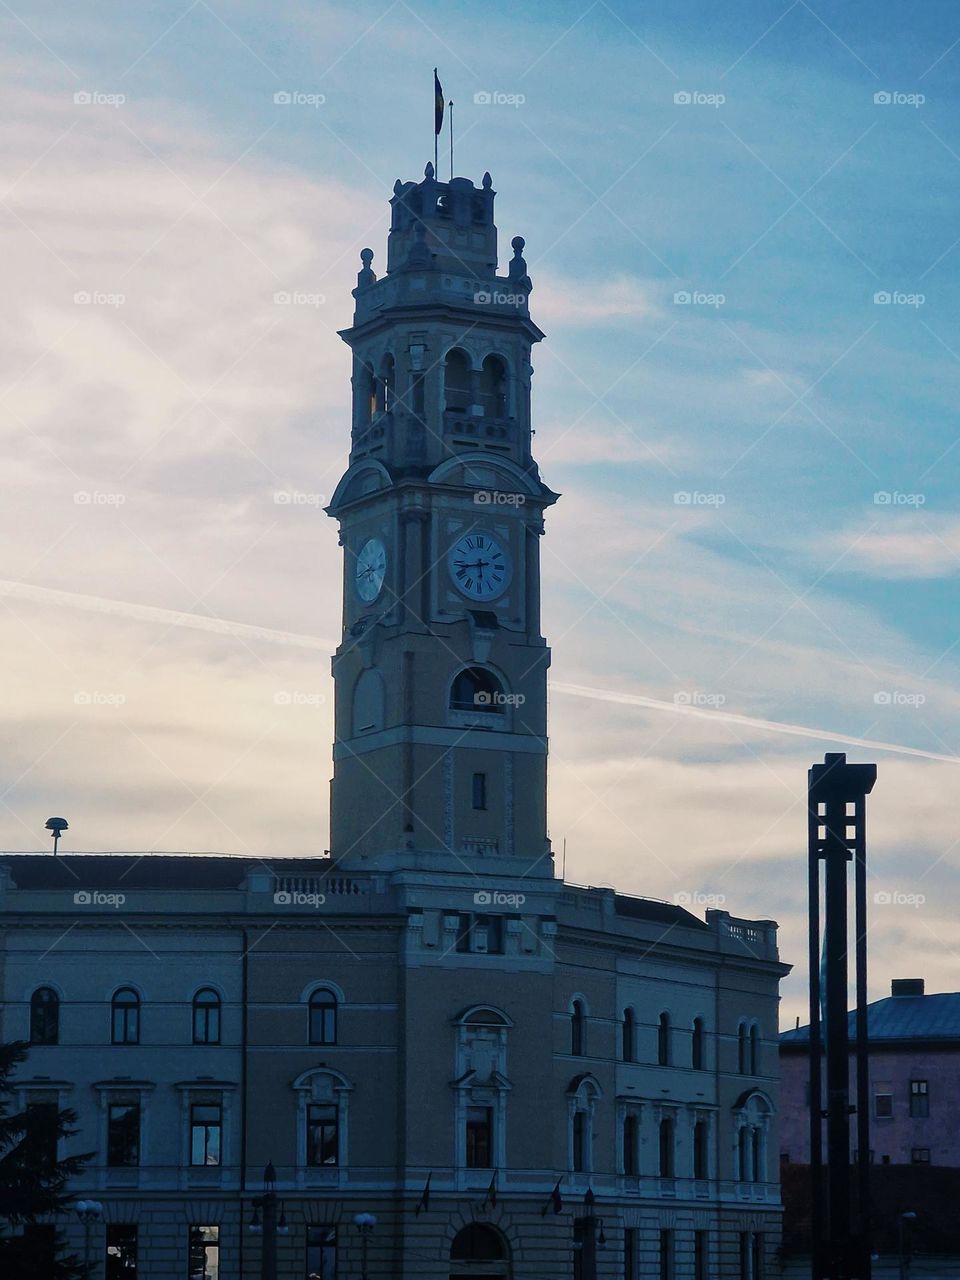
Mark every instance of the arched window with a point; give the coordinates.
(44, 1016)
(477, 1242)
(493, 388)
(663, 1040)
(752, 1113)
(744, 1153)
(629, 1031)
(126, 1016)
(701, 1149)
(206, 1017)
(578, 1029)
(754, 1050)
(366, 394)
(698, 1045)
(583, 1095)
(477, 689)
(323, 1017)
(386, 385)
(743, 1049)
(667, 1145)
(456, 382)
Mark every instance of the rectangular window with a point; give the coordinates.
(479, 790)
(321, 1253)
(630, 1253)
(204, 1247)
(701, 1254)
(121, 1255)
(883, 1105)
(919, 1099)
(480, 934)
(579, 1140)
(123, 1135)
(206, 1129)
(323, 1135)
(666, 1255)
(920, 1155)
(630, 1144)
(701, 1150)
(479, 1137)
(42, 1131)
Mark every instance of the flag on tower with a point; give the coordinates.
(555, 1202)
(437, 103)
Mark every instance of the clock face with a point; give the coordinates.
(371, 569)
(479, 565)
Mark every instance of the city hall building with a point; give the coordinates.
(514, 1076)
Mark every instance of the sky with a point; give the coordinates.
(741, 229)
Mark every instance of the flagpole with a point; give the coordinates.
(451, 139)
(436, 136)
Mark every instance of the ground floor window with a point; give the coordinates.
(751, 1255)
(701, 1254)
(204, 1243)
(666, 1255)
(630, 1253)
(321, 1253)
(121, 1256)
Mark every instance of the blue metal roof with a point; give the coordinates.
(935, 1017)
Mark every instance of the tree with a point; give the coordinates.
(33, 1181)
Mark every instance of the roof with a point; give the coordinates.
(148, 870)
(934, 1017)
(657, 911)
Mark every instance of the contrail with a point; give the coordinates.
(166, 617)
(245, 631)
(749, 722)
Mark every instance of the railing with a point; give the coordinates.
(344, 886)
(480, 847)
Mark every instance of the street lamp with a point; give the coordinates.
(267, 1203)
(89, 1212)
(365, 1223)
(906, 1219)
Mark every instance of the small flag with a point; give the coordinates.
(425, 1197)
(437, 103)
(491, 1196)
(555, 1202)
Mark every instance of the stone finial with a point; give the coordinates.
(486, 181)
(429, 170)
(366, 276)
(397, 187)
(518, 267)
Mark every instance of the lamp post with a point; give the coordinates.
(89, 1212)
(365, 1223)
(269, 1228)
(906, 1219)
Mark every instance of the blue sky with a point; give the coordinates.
(793, 399)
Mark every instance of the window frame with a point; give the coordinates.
(206, 1007)
(664, 1040)
(919, 1099)
(484, 1128)
(127, 1029)
(115, 1134)
(319, 1132)
(205, 1127)
(45, 1013)
(329, 1008)
(205, 1245)
(118, 1266)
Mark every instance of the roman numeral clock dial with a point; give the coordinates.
(371, 569)
(479, 566)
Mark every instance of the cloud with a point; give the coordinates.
(906, 546)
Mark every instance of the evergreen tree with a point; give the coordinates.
(32, 1180)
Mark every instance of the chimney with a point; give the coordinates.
(906, 987)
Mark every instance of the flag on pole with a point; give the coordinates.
(555, 1202)
(491, 1196)
(437, 103)
(425, 1197)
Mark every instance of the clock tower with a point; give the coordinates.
(440, 748)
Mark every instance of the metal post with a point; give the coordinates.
(87, 1223)
(816, 1080)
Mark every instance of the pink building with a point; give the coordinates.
(914, 1080)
